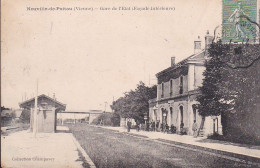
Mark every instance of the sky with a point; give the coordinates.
(88, 57)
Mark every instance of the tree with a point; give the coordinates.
(211, 100)
(3, 108)
(242, 82)
(134, 104)
(25, 116)
(231, 84)
(115, 119)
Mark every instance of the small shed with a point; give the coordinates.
(46, 112)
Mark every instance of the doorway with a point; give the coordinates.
(181, 117)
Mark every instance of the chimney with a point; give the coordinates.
(197, 45)
(172, 61)
(54, 96)
(208, 40)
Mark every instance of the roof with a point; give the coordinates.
(87, 111)
(198, 57)
(42, 95)
(18, 112)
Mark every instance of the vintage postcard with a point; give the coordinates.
(130, 83)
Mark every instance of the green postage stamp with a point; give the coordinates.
(238, 19)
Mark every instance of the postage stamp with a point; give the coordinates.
(238, 17)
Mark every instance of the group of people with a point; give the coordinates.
(163, 127)
(160, 127)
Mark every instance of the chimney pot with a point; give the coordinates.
(208, 40)
(197, 45)
(172, 61)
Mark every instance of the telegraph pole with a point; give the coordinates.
(35, 111)
(149, 80)
(113, 104)
(105, 106)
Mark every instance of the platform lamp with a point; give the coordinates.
(35, 111)
(145, 118)
(164, 116)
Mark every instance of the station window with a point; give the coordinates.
(181, 85)
(194, 112)
(162, 90)
(181, 113)
(171, 87)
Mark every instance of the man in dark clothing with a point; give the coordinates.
(147, 126)
(157, 126)
(182, 129)
(137, 126)
(129, 124)
(173, 129)
(167, 128)
(162, 127)
(153, 126)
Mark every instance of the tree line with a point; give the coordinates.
(134, 104)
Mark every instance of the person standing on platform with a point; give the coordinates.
(153, 126)
(129, 124)
(137, 126)
(194, 128)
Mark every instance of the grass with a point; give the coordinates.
(81, 158)
(238, 139)
(111, 149)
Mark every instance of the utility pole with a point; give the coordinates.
(35, 111)
(105, 106)
(149, 80)
(112, 104)
(144, 75)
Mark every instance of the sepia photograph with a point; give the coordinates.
(130, 84)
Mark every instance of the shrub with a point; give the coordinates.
(109, 119)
